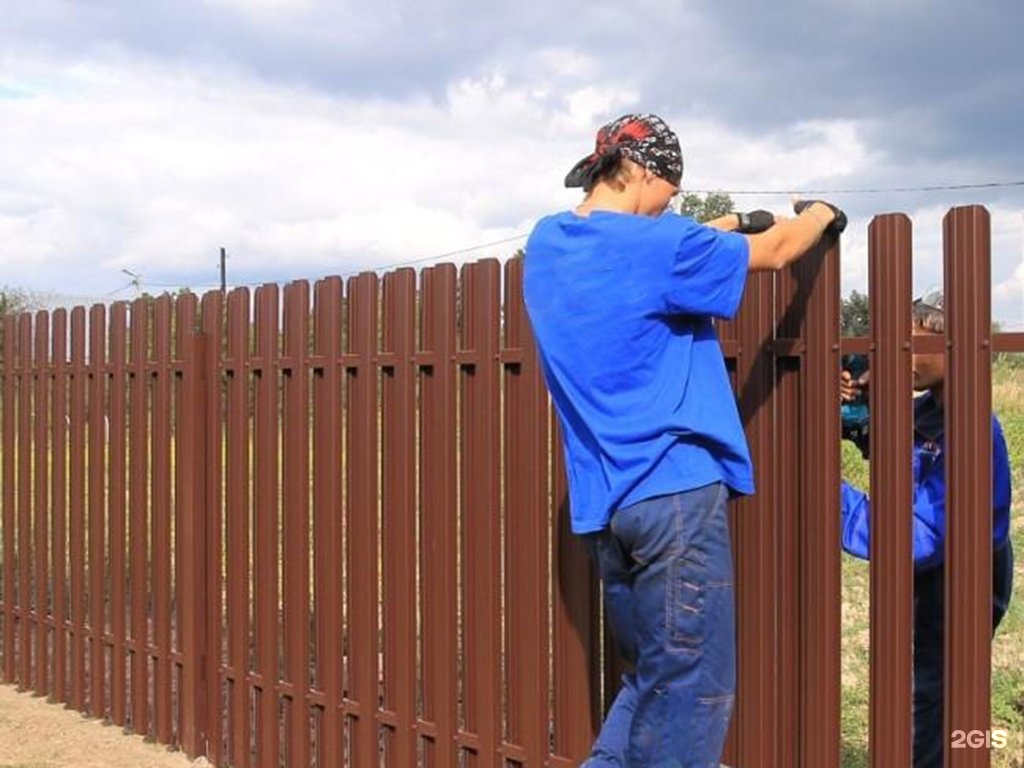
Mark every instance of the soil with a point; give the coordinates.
(37, 734)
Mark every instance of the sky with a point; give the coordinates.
(313, 138)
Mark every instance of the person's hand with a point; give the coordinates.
(849, 388)
(755, 221)
(837, 225)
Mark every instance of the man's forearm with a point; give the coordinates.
(730, 222)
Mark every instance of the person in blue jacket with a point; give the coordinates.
(929, 531)
(621, 291)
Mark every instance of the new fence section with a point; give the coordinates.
(327, 526)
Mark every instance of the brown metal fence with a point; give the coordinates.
(328, 527)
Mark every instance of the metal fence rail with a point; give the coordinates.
(327, 526)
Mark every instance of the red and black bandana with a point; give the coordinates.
(645, 139)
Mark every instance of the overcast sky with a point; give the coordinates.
(313, 138)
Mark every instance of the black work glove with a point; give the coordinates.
(837, 225)
(755, 221)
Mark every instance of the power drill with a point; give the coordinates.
(854, 413)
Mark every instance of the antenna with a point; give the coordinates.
(136, 281)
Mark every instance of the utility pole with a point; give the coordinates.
(223, 270)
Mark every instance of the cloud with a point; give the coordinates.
(310, 137)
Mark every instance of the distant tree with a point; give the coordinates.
(854, 318)
(706, 208)
(14, 301)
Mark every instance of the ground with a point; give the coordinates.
(37, 734)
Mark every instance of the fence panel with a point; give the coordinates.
(342, 537)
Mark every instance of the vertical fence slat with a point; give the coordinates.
(266, 522)
(361, 516)
(755, 731)
(968, 615)
(809, 317)
(786, 397)
(190, 526)
(237, 542)
(41, 502)
(162, 519)
(118, 356)
(892, 496)
(327, 564)
(528, 531)
(295, 518)
(76, 491)
(24, 448)
(58, 494)
(138, 504)
(9, 435)
(399, 514)
(480, 430)
(212, 311)
(577, 694)
(97, 509)
(438, 515)
(822, 581)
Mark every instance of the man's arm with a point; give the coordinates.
(730, 222)
(790, 239)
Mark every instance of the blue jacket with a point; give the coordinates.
(929, 491)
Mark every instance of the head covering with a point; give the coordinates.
(645, 139)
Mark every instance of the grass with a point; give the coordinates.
(1008, 646)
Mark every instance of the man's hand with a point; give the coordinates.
(850, 388)
(837, 225)
(755, 221)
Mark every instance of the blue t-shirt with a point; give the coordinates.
(621, 307)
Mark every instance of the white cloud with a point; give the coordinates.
(116, 162)
(264, 8)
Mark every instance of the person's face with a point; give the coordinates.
(929, 369)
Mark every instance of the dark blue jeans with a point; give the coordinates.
(929, 637)
(666, 568)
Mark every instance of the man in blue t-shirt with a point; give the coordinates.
(621, 292)
(929, 530)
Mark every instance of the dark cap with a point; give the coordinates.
(645, 139)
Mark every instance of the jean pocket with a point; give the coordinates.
(684, 615)
(712, 720)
